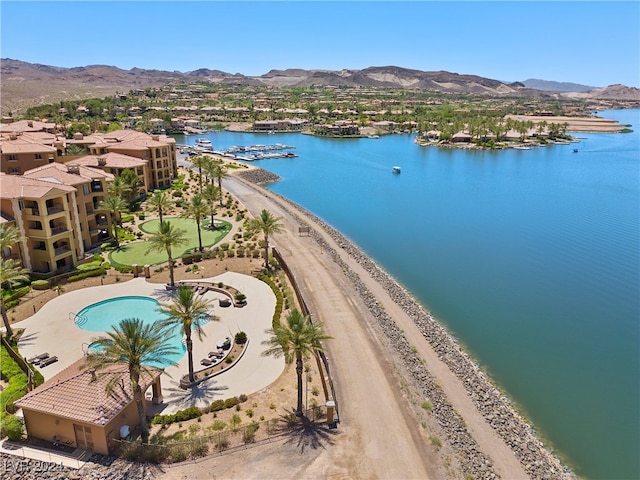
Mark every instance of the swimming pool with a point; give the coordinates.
(102, 316)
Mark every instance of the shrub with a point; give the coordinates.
(249, 412)
(222, 444)
(427, 405)
(224, 246)
(123, 268)
(90, 273)
(250, 432)
(187, 259)
(105, 247)
(12, 428)
(217, 405)
(197, 256)
(90, 266)
(180, 416)
(40, 284)
(218, 425)
(230, 402)
(241, 339)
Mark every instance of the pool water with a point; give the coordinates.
(103, 316)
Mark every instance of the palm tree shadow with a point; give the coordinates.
(307, 433)
(204, 392)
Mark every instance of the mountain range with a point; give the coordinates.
(25, 84)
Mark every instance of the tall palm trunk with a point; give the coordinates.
(199, 235)
(189, 343)
(142, 415)
(171, 281)
(299, 374)
(266, 251)
(5, 320)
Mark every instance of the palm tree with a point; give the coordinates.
(201, 162)
(197, 209)
(11, 272)
(119, 188)
(297, 340)
(132, 182)
(188, 312)
(166, 238)
(267, 224)
(115, 205)
(160, 202)
(210, 193)
(218, 170)
(9, 236)
(139, 346)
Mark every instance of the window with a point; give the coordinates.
(12, 158)
(14, 170)
(38, 156)
(85, 189)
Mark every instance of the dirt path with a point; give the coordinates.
(379, 434)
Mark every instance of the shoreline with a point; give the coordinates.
(497, 409)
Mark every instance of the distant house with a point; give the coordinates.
(461, 137)
(74, 406)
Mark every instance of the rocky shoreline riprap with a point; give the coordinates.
(258, 176)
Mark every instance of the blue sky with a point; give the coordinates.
(591, 43)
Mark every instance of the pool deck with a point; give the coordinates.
(52, 330)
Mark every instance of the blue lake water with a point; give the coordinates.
(531, 258)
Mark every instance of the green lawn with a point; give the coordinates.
(136, 252)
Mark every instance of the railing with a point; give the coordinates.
(321, 358)
(79, 320)
(52, 210)
(61, 250)
(59, 229)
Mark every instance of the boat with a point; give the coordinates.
(522, 147)
(203, 145)
(395, 169)
(575, 150)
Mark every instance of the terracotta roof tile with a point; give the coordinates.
(19, 186)
(76, 394)
(58, 172)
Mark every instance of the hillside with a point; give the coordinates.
(26, 84)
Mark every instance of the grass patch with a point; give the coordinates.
(131, 253)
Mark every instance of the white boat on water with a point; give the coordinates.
(395, 169)
(203, 145)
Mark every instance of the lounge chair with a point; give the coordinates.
(48, 361)
(206, 362)
(38, 358)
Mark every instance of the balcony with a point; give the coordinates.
(57, 230)
(36, 233)
(32, 211)
(61, 250)
(55, 209)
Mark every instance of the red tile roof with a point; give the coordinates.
(75, 394)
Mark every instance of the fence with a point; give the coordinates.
(199, 445)
(321, 358)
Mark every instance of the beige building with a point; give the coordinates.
(22, 152)
(55, 209)
(115, 163)
(74, 407)
(158, 150)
